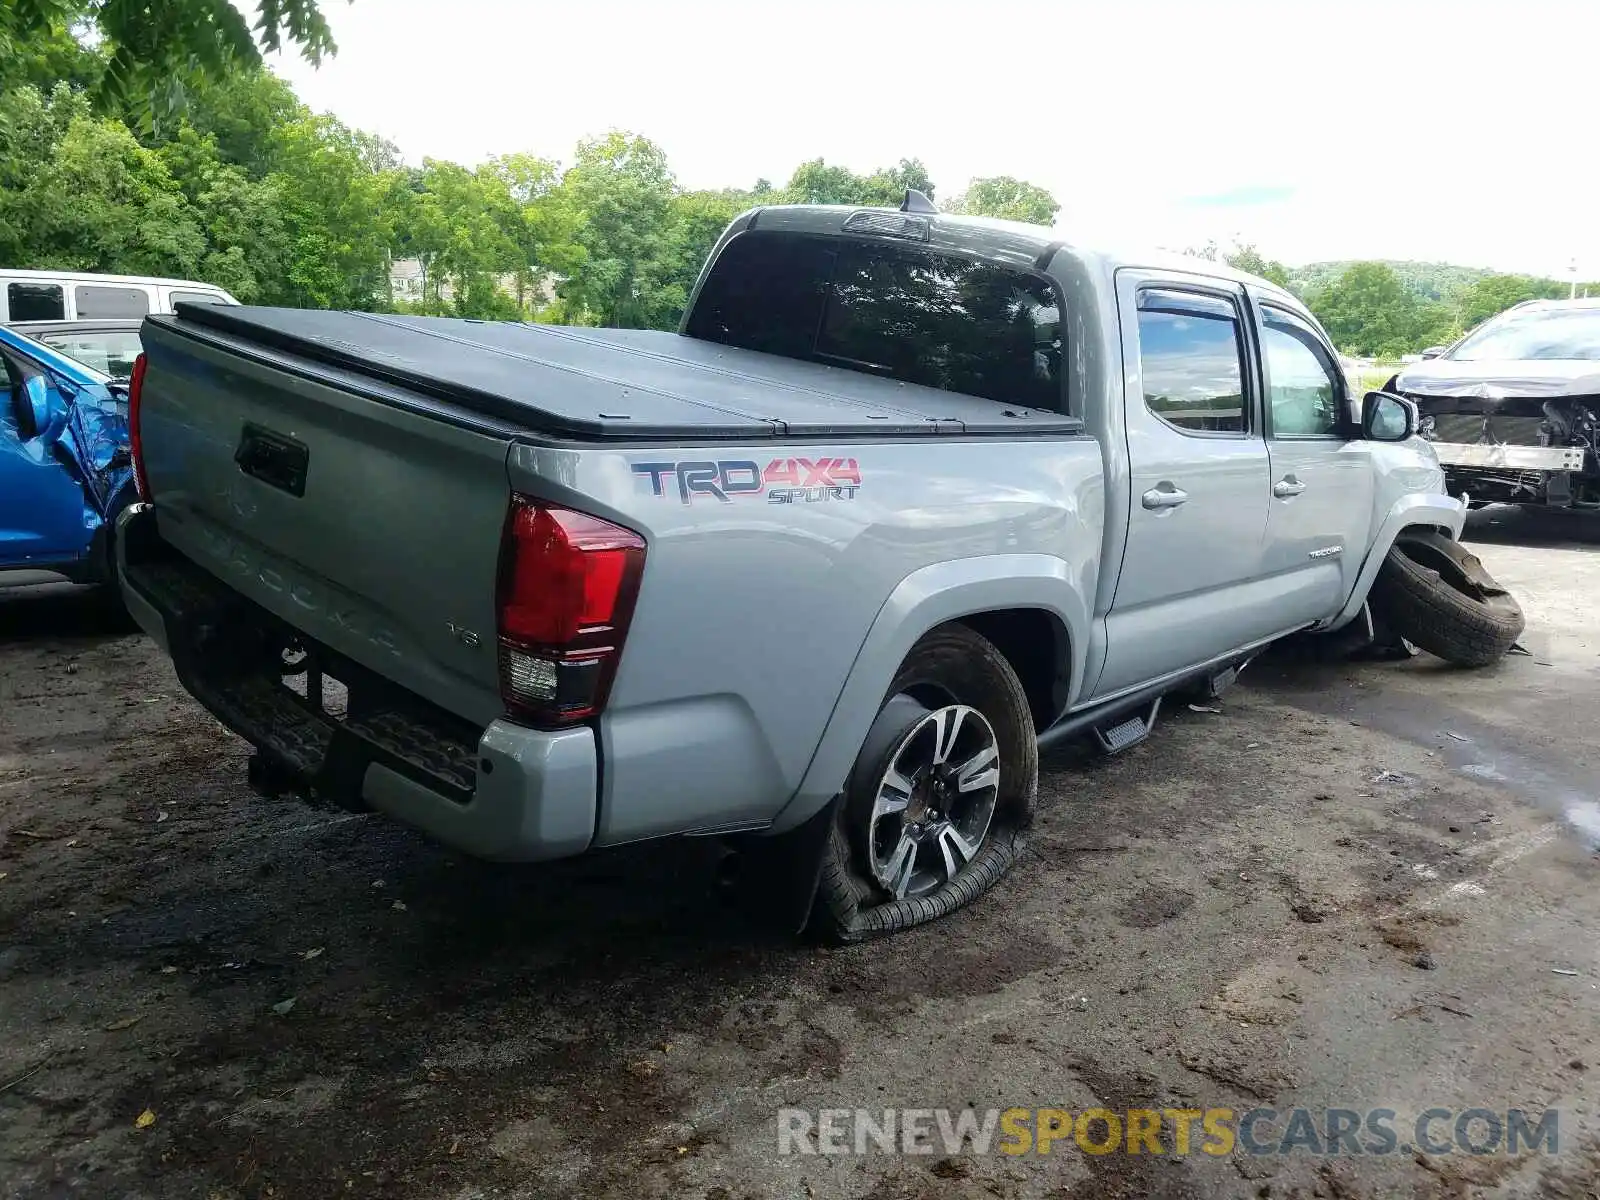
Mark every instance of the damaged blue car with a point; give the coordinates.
(65, 467)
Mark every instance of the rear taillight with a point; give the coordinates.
(135, 442)
(567, 586)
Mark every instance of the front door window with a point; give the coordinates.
(1304, 391)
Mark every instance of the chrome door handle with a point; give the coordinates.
(1287, 487)
(1165, 496)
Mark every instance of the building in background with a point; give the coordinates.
(409, 284)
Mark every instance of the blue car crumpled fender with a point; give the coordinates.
(97, 441)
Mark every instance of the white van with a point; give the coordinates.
(77, 296)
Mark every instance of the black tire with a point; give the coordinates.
(1433, 591)
(951, 665)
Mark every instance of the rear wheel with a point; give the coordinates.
(1433, 591)
(940, 794)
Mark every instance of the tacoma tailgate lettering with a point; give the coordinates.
(303, 595)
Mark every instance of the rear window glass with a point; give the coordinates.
(36, 302)
(111, 352)
(97, 301)
(898, 311)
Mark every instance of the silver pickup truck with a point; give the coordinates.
(906, 497)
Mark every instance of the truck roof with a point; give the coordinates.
(1016, 242)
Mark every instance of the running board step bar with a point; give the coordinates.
(1129, 731)
(1140, 706)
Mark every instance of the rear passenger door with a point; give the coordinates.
(1322, 477)
(1191, 585)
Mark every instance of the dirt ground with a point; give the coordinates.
(1357, 886)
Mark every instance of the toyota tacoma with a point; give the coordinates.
(906, 497)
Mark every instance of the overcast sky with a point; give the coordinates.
(1464, 132)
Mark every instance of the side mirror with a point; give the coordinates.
(36, 414)
(1434, 351)
(1386, 417)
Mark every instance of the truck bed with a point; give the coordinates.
(601, 385)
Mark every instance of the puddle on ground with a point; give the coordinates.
(1584, 816)
(1462, 741)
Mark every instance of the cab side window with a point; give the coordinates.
(36, 302)
(1305, 392)
(95, 301)
(1191, 362)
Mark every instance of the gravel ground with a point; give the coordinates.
(1357, 886)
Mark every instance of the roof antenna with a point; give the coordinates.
(916, 202)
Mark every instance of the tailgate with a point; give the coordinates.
(373, 527)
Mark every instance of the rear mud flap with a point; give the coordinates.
(777, 876)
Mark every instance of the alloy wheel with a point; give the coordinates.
(935, 801)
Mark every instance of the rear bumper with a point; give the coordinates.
(505, 792)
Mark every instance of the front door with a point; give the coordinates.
(1191, 581)
(1320, 515)
(41, 504)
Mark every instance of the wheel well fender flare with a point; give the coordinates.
(1433, 511)
(925, 599)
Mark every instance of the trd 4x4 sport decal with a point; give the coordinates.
(784, 481)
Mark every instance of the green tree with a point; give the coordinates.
(340, 204)
(243, 113)
(475, 226)
(621, 186)
(1367, 310)
(155, 49)
(247, 246)
(1247, 258)
(51, 53)
(816, 182)
(886, 187)
(80, 193)
(1494, 294)
(697, 221)
(544, 225)
(32, 124)
(1007, 198)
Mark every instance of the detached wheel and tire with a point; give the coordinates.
(1433, 591)
(939, 797)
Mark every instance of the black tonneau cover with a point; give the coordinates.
(609, 384)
